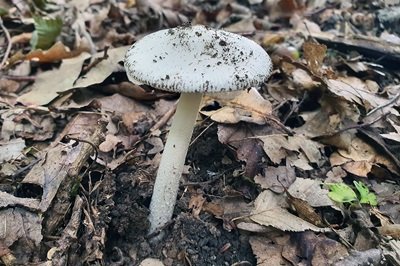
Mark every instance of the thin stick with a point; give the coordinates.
(391, 101)
(8, 37)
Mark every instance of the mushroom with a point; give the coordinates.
(191, 60)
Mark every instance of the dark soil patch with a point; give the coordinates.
(187, 240)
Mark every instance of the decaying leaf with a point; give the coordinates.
(314, 54)
(392, 230)
(196, 204)
(285, 174)
(311, 191)
(247, 106)
(304, 210)
(11, 149)
(269, 210)
(55, 53)
(103, 68)
(360, 158)
(110, 143)
(49, 84)
(354, 90)
(267, 252)
(29, 124)
(306, 151)
(23, 230)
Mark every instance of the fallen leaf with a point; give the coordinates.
(267, 252)
(392, 230)
(247, 106)
(110, 143)
(8, 200)
(269, 211)
(314, 54)
(311, 191)
(285, 174)
(49, 84)
(196, 204)
(19, 227)
(157, 143)
(360, 157)
(11, 149)
(103, 69)
(355, 90)
(55, 53)
(278, 147)
(29, 124)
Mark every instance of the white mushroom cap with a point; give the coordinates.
(197, 59)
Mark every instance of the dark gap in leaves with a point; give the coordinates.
(27, 190)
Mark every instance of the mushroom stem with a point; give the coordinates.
(173, 159)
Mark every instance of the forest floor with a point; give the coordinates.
(303, 170)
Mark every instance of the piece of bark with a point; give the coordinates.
(387, 53)
(58, 172)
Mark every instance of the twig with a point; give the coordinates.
(360, 125)
(164, 119)
(8, 37)
(201, 133)
(294, 108)
(96, 61)
(392, 101)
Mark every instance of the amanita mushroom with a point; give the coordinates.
(191, 60)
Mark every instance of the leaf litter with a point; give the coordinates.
(80, 145)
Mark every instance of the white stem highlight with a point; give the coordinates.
(173, 159)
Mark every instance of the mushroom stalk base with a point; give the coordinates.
(173, 159)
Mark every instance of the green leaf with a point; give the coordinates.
(3, 12)
(340, 192)
(366, 196)
(46, 32)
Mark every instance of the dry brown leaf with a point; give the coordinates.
(334, 114)
(11, 149)
(103, 69)
(110, 143)
(135, 91)
(303, 79)
(55, 53)
(360, 158)
(392, 230)
(310, 191)
(269, 211)
(28, 124)
(248, 106)
(278, 147)
(286, 176)
(213, 208)
(355, 90)
(314, 54)
(8, 85)
(196, 204)
(22, 229)
(50, 83)
(267, 252)
(157, 143)
(250, 151)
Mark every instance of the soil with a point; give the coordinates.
(187, 240)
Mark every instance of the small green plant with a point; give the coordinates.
(340, 192)
(46, 32)
(3, 12)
